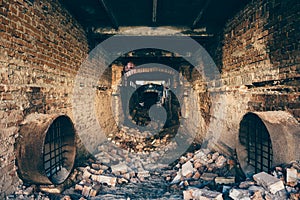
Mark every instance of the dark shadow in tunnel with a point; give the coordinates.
(157, 98)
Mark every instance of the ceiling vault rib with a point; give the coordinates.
(199, 16)
(111, 15)
(154, 11)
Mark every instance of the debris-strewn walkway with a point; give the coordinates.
(117, 173)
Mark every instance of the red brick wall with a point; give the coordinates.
(284, 53)
(259, 59)
(41, 48)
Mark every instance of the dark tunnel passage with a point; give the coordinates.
(158, 99)
(154, 95)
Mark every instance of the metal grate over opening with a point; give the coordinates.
(46, 149)
(53, 150)
(56, 149)
(255, 137)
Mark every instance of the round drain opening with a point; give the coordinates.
(255, 138)
(267, 139)
(58, 155)
(46, 149)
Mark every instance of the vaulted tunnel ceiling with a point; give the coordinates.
(195, 17)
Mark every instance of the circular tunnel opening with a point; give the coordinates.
(58, 155)
(267, 139)
(255, 138)
(151, 96)
(46, 149)
(142, 100)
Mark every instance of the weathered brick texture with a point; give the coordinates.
(41, 48)
(259, 63)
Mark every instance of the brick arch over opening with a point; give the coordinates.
(148, 70)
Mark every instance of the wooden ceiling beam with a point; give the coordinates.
(199, 16)
(110, 14)
(153, 31)
(154, 11)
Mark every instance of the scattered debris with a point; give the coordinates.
(187, 168)
(200, 174)
(199, 194)
(224, 180)
(237, 194)
(291, 176)
(269, 182)
(119, 168)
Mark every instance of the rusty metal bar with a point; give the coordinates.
(276, 140)
(259, 149)
(248, 143)
(257, 142)
(255, 149)
(54, 163)
(46, 146)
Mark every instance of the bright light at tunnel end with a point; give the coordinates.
(102, 56)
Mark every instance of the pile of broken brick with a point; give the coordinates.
(195, 175)
(207, 175)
